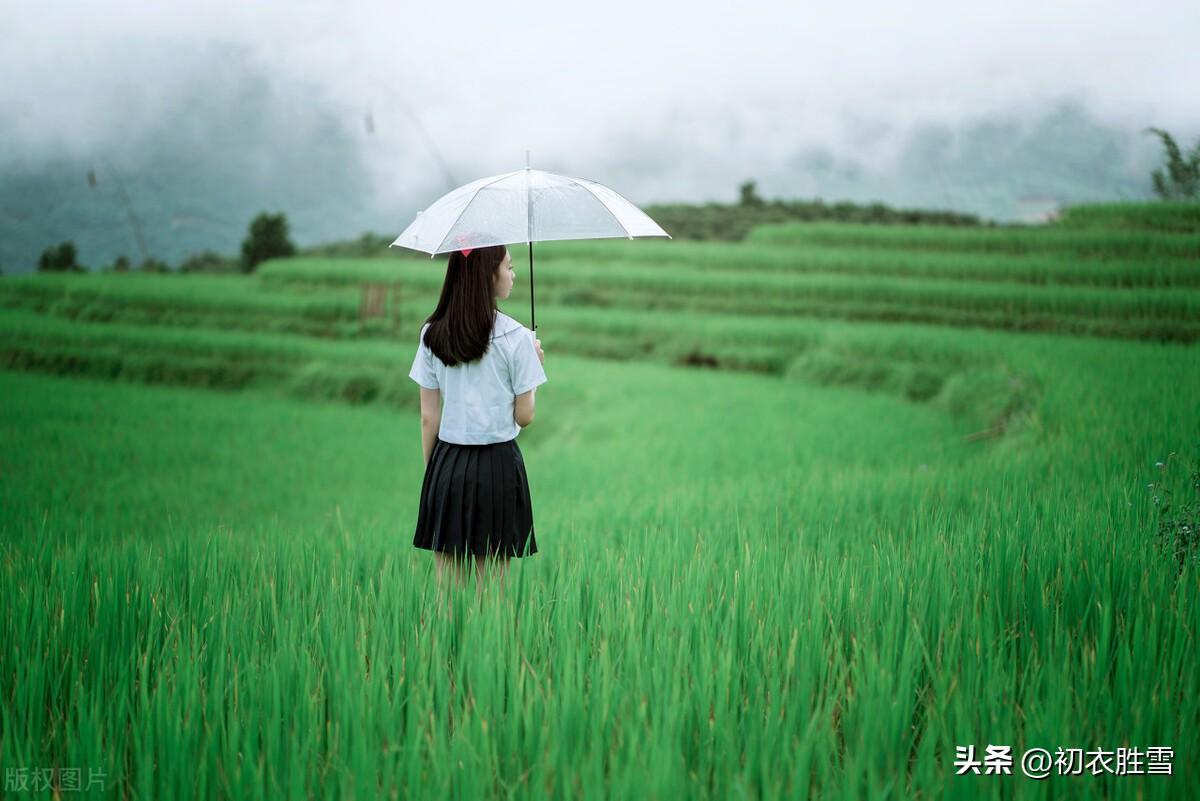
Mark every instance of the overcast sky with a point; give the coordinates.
(575, 82)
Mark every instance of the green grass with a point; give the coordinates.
(781, 554)
(1167, 217)
(774, 293)
(912, 362)
(1087, 243)
(1038, 269)
(1151, 298)
(761, 587)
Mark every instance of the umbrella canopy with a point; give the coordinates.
(524, 206)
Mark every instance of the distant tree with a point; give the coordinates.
(153, 265)
(208, 261)
(748, 196)
(1182, 178)
(267, 239)
(60, 259)
(121, 264)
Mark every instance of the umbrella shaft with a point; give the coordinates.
(532, 318)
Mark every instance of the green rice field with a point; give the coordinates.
(814, 512)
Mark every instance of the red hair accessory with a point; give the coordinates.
(467, 251)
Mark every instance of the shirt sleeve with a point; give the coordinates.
(526, 371)
(422, 370)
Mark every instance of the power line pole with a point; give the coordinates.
(124, 197)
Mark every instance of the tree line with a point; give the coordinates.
(268, 236)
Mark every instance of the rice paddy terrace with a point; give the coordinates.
(814, 510)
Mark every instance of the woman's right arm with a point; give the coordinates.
(523, 407)
(523, 404)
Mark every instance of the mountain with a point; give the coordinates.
(189, 167)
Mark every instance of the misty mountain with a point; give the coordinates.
(230, 140)
(230, 143)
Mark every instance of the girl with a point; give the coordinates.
(478, 369)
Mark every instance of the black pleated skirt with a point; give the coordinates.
(475, 499)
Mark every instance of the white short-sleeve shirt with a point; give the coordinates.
(477, 398)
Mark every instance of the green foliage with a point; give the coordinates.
(209, 261)
(153, 265)
(300, 366)
(977, 514)
(806, 591)
(1181, 181)
(748, 197)
(1163, 216)
(720, 221)
(848, 259)
(267, 239)
(1017, 240)
(1098, 283)
(59, 259)
(678, 286)
(1176, 496)
(226, 302)
(365, 246)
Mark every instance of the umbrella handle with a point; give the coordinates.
(532, 318)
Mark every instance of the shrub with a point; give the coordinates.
(365, 246)
(60, 259)
(1182, 178)
(153, 265)
(208, 261)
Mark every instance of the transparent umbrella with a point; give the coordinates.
(524, 206)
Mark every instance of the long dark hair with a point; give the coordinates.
(460, 328)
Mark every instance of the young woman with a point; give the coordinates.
(478, 369)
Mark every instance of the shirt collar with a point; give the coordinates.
(504, 324)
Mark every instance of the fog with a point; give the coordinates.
(352, 116)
